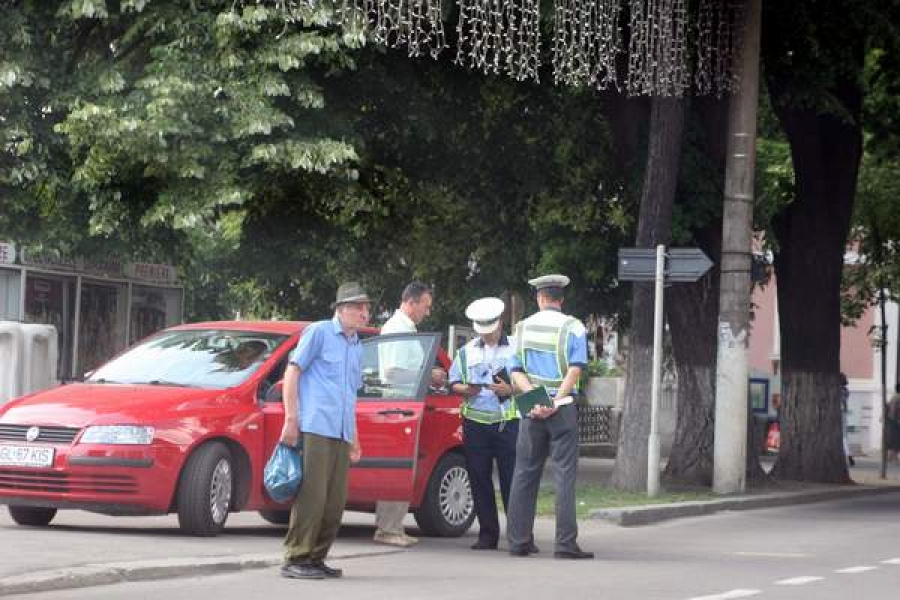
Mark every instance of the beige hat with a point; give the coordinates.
(485, 314)
(547, 281)
(350, 292)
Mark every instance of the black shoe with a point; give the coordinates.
(301, 570)
(330, 572)
(577, 553)
(484, 545)
(851, 461)
(526, 550)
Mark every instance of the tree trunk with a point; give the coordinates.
(693, 311)
(654, 227)
(812, 234)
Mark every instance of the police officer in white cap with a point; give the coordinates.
(551, 351)
(490, 420)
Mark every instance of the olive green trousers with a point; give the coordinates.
(319, 505)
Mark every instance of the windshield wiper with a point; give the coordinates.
(101, 380)
(168, 383)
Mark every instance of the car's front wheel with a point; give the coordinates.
(205, 490)
(447, 509)
(33, 516)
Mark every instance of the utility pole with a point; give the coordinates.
(730, 444)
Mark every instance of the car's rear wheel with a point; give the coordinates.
(447, 509)
(276, 517)
(33, 516)
(205, 490)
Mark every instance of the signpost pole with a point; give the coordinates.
(653, 440)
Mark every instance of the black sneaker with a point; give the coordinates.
(575, 553)
(301, 570)
(330, 572)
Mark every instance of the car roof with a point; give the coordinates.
(283, 327)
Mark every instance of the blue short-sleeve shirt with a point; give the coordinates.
(330, 375)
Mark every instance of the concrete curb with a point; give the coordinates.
(654, 513)
(144, 570)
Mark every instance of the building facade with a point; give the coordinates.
(97, 308)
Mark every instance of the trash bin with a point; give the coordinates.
(28, 357)
(39, 357)
(10, 360)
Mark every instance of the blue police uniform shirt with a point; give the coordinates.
(330, 375)
(487, 361)
(543, 364)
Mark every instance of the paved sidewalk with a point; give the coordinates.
(89, 549)
(865, 474)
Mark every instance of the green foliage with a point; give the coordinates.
(231, 139)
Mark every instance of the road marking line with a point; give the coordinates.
(798, 580)
(850, 570)
(729, 595)
(772, 554)
(891, 561)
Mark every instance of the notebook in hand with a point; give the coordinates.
(538, 396)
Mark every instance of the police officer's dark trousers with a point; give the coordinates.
(484, 444)
(557, 437)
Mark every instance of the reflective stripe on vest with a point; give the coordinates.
(545, 338)
(506, 413)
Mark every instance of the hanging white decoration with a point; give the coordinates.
(500, 36)
(587, 41)
(717, 46)
(417, 24)
(657, 56)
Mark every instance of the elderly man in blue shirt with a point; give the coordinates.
(320, 387)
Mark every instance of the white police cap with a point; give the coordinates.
(485, 314)
(546, 281)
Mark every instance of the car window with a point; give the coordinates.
(209, 359)
(394, 366)
(266, 385)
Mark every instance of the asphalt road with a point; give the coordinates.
(829, 550)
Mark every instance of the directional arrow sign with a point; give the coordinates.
(686, 264)
(682, 264)
(637, 264)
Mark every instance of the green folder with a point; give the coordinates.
(538, 396)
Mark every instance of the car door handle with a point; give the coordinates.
(405, 412)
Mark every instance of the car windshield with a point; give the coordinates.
(211, 359)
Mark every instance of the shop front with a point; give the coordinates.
(97, 308)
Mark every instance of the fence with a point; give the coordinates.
(595, 425)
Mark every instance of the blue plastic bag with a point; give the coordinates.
(283, 473)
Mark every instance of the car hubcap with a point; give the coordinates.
(456, 496)
(220, 491)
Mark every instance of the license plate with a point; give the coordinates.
(26, 456)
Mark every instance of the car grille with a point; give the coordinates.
(65, 483)
(49, 434)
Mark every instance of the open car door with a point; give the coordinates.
(396, 373)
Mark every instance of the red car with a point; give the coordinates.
(185, 421)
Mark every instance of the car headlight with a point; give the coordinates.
(117, 434)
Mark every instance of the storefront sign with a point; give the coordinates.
(109, 268)
(151, 272)
(7, 253)
(50, 260)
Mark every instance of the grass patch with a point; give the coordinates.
(592, 496)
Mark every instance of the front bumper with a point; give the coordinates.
(104, 478)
